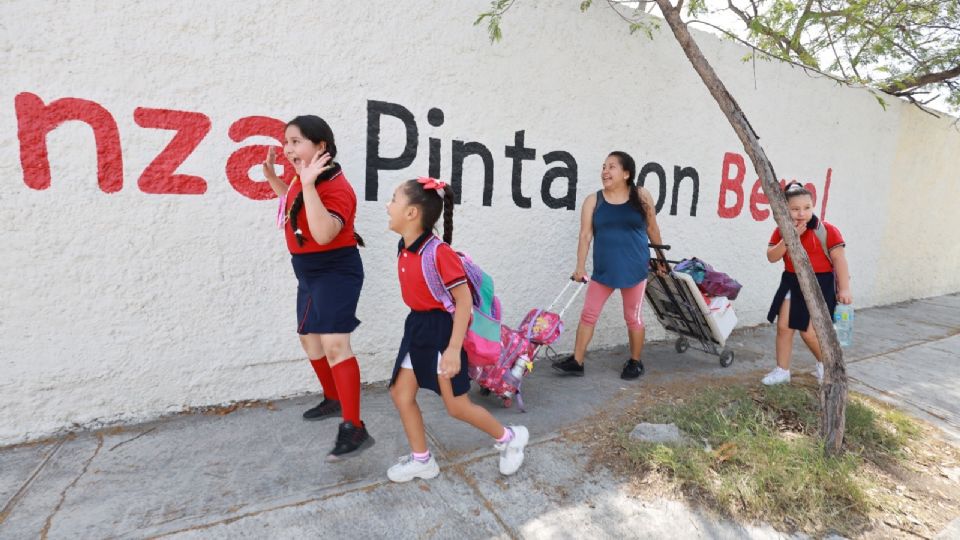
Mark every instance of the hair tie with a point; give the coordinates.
(434, 184)
(793, 186)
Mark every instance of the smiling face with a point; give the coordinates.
(299, 149)
(613, 174)
(801, 208)
(402, 215)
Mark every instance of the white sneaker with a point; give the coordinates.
(511, 453)
(408, 468)
(777, 376)
(818, 372)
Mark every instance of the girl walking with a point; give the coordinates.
(317, 212)
(829, 262)
(621, 222)
(431, 352)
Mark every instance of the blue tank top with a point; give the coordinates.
(621, 249)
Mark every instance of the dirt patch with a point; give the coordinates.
(907, 487)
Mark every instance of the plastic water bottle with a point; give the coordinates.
(843, 324)
(519, 367)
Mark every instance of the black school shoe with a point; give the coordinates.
(569, 366)
(326, 409)
(633, 369)
(351, 441)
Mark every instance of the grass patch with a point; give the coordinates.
(756, 454)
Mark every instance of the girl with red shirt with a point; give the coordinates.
(431, 352)
(318, 209)
(833, 274)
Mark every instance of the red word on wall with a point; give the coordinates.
(35, 120)
(731, 182)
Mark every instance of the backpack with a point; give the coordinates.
(708, 280)
(482, 342)
(821, 232)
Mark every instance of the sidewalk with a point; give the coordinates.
(259, 472)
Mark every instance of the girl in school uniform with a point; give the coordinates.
(317, 212)
(833, 274)
(431, 355)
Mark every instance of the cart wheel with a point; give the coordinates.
(681, 345)
(726, 358)
(507, 402)
(484, 391)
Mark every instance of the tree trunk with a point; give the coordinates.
(833, 392)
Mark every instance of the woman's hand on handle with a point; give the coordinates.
(579, 275)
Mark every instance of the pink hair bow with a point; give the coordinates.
(432, 183)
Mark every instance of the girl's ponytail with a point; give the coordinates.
(448, 215)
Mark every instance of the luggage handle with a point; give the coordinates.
(572, 297)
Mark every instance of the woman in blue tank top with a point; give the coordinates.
(621, 222)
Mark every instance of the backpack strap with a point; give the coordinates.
(428, 262)
(821, 232)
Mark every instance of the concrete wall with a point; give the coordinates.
(140, 278)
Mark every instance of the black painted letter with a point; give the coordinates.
(518, 153)
(376, 162)
(460, 151)
(654, 167)
(678, 175)
(568, 201)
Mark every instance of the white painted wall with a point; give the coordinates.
(124, 306)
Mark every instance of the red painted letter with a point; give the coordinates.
(758, 197)
(240, 162)
(35, 120)
(159, 177)
(826, 192)
(728, 183)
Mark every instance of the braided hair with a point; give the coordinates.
(432, 206)
(316, 130)
(629, 165)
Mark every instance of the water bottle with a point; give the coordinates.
(843, 324)
(519, 367)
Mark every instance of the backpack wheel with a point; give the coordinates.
(681, 345)
(507, 403)
(484, 392)
(726, 358)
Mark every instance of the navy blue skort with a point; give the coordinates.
(799, 316)
(328, 289)
(426, 335)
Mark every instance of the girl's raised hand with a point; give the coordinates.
(801, 228)
(450, 363)
(268, 171)
(321, 162)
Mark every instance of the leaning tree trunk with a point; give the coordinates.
(833, 392)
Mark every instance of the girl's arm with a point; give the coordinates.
(463, 300)
(275, 182)
(585, 237)
(842, 270)
(323, 226)
(776, 252)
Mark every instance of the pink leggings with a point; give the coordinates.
(597, 296)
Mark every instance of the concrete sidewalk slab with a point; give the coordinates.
(259, 471)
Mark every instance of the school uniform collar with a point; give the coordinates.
(330, 173)
(814, 223)
(417, 246)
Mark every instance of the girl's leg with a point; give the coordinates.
(784, 336)
(597, 296)
(633, 315)
(810, 338)
(346, 374)
(461, 408)
(330, 405)
(404, 394)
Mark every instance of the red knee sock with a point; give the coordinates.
(347, 375)
(326, 378)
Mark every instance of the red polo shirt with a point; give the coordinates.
(339, 199)
(413, 286)
(810, 242)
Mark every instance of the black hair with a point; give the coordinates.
(795, 189)
(628, 164)
(317, 130)
(431, 206)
